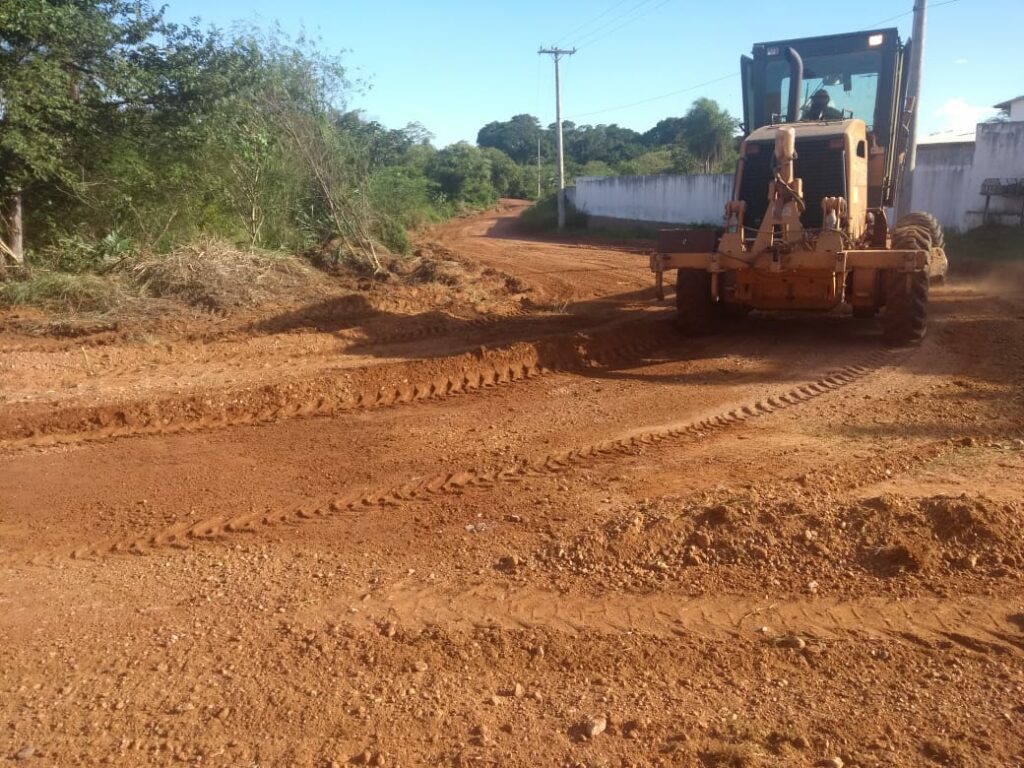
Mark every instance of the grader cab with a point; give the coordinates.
(825, 122)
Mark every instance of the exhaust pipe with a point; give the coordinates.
(796, 84)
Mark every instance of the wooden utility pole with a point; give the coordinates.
(557, 54)
(905, 202)
(538, 167)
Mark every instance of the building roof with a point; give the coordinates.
(1006, 104)
(947, 137)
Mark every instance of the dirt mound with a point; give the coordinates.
(725, 540)
(956, 532)
(965, 519)
(359, 388)
(899, 558)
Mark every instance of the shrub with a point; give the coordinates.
(76, 254)
(393, 236)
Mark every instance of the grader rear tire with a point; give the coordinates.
(696, 312)
(927, 222)
(922, 231)
(911, 236)
(906, 308)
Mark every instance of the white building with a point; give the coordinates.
(1014, 108)
(952, 172)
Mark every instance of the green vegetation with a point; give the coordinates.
(986, 244)
(543, 216)
(122, 133)
(65, 293)
(702, 141)
(126, 140)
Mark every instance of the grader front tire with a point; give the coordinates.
(696, 311)
(906, 308)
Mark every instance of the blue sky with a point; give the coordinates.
(454, 65)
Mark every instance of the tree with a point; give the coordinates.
(507, 178)
(63, 64)
(463, 173)
(683, 160)
(707, 134)
(516, 137)
(653, 162)
(597, 168)
(609, 143)
(386, 146)
(338, 156)
(665, 133)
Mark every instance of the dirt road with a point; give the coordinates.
(556, 534)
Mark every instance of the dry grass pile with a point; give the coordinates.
(217, 276)
(219, 279)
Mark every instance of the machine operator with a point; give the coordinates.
(820, 109)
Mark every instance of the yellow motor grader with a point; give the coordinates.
(808, 226)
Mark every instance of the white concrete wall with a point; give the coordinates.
(998, 154)
(664, 198)
(942, 181)
(948, 185)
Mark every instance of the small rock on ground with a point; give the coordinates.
(595, 726)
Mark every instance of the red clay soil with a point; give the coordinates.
(561, 535)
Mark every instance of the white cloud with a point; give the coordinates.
(958, 116)
(960, 61)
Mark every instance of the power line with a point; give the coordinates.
(599, 31)
(655, 98)
(907, 13)
(876, 24)
(708, 82)
(594, 33)
(599, 16)
(626, 23)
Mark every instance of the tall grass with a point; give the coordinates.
(542, 216)
(66, 292)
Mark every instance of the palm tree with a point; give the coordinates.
(708, 132)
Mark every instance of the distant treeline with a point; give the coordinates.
(702, 141)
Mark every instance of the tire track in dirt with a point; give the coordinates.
(360, 388)
(184, 534)
(976, 624)
(451, 326)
